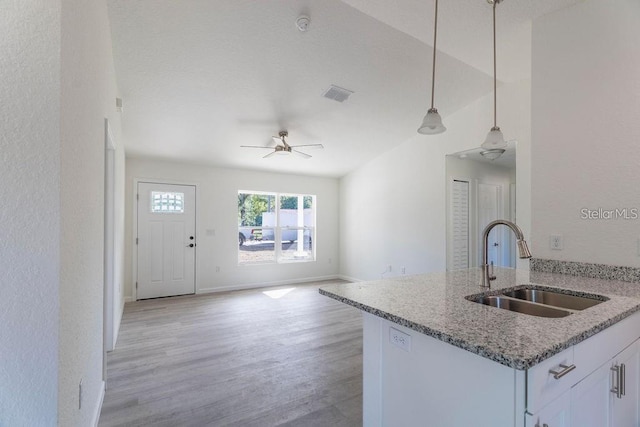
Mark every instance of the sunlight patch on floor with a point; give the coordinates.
(278, 293)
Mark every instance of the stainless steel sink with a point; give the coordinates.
(555, 299)
(536, 300)
(524, 307)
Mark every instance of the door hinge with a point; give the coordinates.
(137, 196)
(136, 240)
(136, 285)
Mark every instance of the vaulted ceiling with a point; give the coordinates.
(199, 78)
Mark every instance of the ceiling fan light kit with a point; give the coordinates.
(493, 153)
(432, 122)
(283, 148)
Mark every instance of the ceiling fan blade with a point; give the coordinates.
(301, 154)
(269, 155)
(255, 146)
(318, 146)
(276, 139)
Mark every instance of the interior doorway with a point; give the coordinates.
(479, 190)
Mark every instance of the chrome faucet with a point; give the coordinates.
(523, 249)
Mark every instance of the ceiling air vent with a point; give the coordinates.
(337, 93)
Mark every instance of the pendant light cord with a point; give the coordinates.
(433, 74)
(495, 87)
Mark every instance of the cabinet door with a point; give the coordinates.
(555, 414)
(591, 399)
(625, 409)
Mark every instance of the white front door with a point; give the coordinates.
(166, 240)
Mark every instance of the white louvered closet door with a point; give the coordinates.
(460, 225)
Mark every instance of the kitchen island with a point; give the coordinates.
(434, 357)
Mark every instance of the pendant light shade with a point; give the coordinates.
(432, 122)
(495, 138)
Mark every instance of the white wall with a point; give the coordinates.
(586, 130)
(88, 93)
(480, 173)
(392, 210)
(30, 213)
(217, 209)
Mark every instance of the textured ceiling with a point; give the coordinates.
(199, 78)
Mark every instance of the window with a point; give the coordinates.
(275, 227)
(167, 202)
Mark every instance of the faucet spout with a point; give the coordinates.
(523, 249)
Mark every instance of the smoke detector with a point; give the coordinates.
(302, 23)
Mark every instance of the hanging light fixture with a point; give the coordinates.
(432, 122)
(495, 139)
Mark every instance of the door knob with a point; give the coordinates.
(190, 245)
(191, 237)
(496, 244)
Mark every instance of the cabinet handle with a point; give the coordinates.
(623, 379)
(543, 425)
(557, 374)
(617, 389)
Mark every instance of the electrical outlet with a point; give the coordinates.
(404, 270)
(400, 339)
(329, 260)
(390, 268)
(217, 269)
(555, 242)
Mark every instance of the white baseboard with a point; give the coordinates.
(265, 284)
(349, 279)
(96, 414)
(128, 299)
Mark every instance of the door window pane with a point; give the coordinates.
(167, 202)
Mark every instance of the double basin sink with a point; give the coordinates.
(539, 301)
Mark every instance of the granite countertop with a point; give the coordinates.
(435, 305)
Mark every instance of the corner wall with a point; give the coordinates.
(88, 92)
(393, 209)
(217, 210)
(586, 131)
(30, 213)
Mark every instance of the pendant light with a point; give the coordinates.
(432, 122)
(495, 139)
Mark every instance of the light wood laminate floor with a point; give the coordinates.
(237, 359)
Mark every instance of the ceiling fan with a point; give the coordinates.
(283, 148)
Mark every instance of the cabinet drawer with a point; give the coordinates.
(542, 384)
(598, 349)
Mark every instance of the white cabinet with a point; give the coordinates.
(430, 382)
(607, 397)
(626, 383)
(555, 414)
(590, 399)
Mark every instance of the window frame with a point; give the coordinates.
(279, 257)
